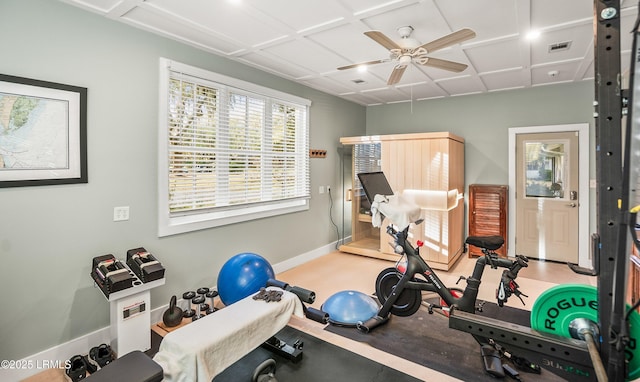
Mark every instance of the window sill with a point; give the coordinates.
(188, 223)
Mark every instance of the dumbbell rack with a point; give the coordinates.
(131, 316)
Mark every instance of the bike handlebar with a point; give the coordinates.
(520, 262)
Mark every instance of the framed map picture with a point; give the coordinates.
(43, 133)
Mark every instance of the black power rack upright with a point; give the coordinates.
(613, 185)
(616, 186)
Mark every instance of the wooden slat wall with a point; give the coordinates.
(434, 163)
(431, 161)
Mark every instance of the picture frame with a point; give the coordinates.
(43, 133)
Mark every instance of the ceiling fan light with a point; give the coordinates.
(362, 68)
(405, 59)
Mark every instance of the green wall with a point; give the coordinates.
(484, 121)
(49, 234)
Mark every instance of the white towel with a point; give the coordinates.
(203, 349)
(400, 210)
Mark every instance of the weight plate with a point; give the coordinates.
(633, 350)
(556, 307)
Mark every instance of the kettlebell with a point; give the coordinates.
(265, 372)
(172, 316)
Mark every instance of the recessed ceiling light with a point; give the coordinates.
(533, 34)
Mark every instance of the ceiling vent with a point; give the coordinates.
(560, 46)
(358, 81)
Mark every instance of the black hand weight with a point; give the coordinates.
(172, 316)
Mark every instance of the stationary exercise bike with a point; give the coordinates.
(399, 289)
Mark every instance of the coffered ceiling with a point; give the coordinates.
(307, 40)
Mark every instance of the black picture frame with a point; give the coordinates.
(43, 133)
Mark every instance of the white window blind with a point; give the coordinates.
(232, 151)
(366, 158)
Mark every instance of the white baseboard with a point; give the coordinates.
(305, 257)
(57, 355)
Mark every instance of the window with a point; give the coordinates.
(366, 158)
(546, 165)
(229, 151)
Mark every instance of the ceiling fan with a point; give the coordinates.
(409, 50)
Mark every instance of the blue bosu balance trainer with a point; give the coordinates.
(349, 307)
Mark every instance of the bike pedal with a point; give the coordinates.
(431, 307)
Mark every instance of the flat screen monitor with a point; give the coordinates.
(374, 183)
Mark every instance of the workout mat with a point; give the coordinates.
(427, 340)
(321, 361)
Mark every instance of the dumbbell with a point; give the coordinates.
(204, 307)
(212, 294)
(195, 304)
(188, 296)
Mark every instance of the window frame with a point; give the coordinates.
(169, 224)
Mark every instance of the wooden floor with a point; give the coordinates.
(339, 271)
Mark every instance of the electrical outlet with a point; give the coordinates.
(328, 189)
(120, 213)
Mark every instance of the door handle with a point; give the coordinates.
(572, 205)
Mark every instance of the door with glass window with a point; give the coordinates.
(547, 188)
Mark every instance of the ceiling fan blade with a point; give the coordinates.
(396, 75)
(362, 64)
(442, 64)
(448, 40)
(382, 39)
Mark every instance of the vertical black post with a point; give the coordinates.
(608, 106)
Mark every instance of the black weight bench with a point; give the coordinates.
(132, 367)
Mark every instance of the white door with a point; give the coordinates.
(547, 196)
(549, 214)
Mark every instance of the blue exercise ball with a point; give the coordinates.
(243, 275)
(348, 307)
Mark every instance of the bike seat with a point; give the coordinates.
(489, 242)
